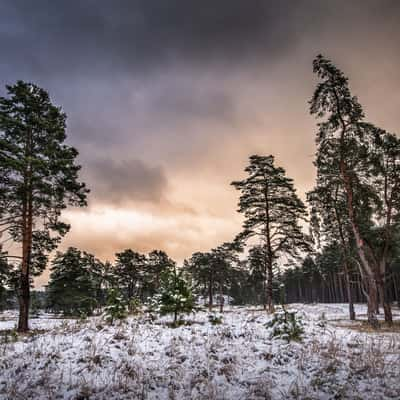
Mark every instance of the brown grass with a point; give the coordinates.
(364, 326)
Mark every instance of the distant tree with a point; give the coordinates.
(157, 262)
(72, 286)
(214, 271)
(101, 275)
(129, 272)
(224, 261)
(116, 306)
(37, 302)
(4, 277)
(258, 271)
(272, 212)
(201, 270)
(38, 179)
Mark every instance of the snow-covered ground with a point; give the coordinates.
(140, 359)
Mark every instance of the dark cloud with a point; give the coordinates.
(166, 99)
(46, 38)
(125, 182)
(58, 38)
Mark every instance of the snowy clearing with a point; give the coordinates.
(140, 359)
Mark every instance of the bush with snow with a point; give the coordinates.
(215, 319)
(286, 325)
(134, 306)
(175, 296)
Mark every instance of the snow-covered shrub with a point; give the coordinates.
(134, 306)
(175, 296)
(287, 325)
(215, 319)
(322, 320)
(115, 308)
(9, 336)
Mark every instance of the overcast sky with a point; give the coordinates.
(167, 99)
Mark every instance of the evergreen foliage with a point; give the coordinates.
(360, 163)
(214, 271)
(72, 285)
(175, 295)
(286, 325)
(272, 212)
(129, 273)
(38, 179)
(116, 306)
(157, 263)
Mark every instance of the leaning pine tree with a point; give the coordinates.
(363, 162)
(38, 179)
(330, 224)
(272, 212)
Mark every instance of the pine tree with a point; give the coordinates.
(175, 295)
(272, 212)
(330, 223)
(214, 271)
(224, 260)
(129, 272)
(201, 269)
(38, 179)
(72, 286)
(258, 270)
(364, 161)
(157, 262)
(116, 306)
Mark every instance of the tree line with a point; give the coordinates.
(349, 254)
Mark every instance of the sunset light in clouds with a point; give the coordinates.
(166, 103)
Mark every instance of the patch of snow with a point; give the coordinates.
(237, 359)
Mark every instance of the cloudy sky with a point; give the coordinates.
(167, 99)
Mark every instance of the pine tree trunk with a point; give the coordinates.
(27, 226)
(24, 289)
(352, 313)
(264, 296)
(340, 283)
(270, 300)
(210, 295)
(383, 297)
(360, 244)
(372, 300)
(396, 290)
(300, 291)
(221, 299)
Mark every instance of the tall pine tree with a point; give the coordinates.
(38, 179)
(364, 160)
(272, 212)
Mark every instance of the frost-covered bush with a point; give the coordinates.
(322, 320)
(286, 325)
(215, 319)
(115, 308)
(175, 296)
(134, 306)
